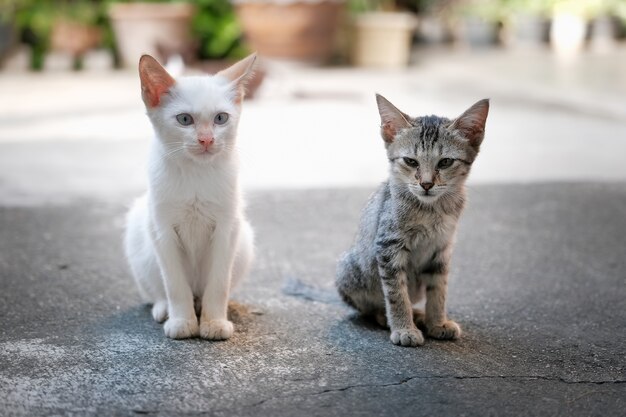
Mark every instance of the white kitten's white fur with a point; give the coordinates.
(187, 239)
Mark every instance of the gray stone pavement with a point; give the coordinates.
(538, 278)
(537, 284)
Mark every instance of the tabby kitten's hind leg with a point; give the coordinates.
(419, 318)
(381, 319)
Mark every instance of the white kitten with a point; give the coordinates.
(187, 240)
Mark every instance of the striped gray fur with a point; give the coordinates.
(403, 247)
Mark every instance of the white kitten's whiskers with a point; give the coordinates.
(180, 236)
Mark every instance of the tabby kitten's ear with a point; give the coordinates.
(392, 120)
(471, 124)
(155, 81)
(239, 74)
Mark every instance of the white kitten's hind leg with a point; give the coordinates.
(244, 255)
(142, 260)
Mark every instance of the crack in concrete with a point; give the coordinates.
(460, 377)
(382, 385)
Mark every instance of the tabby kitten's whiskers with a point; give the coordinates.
(404, 243)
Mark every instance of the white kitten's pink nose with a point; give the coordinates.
(206, 141)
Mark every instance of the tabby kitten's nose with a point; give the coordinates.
(426, 185)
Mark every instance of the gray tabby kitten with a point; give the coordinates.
(404, 244)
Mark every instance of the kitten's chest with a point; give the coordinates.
(194, 222)
(426, 236)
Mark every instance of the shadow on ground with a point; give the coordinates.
(537, 284)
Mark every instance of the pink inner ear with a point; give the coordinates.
(388, 132)
(153, 92)
(155, 81)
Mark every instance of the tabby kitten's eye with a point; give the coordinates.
(411, 162)
(184, 119)
(221, 118)
(445, 163)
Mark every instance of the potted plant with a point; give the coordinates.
(71, 27)
(220, 40)
(146, 27)
(299, 30)
(75, 27)
(381, 36)
(218, 32)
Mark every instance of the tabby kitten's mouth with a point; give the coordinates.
(422, 194)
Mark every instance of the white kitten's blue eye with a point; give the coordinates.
(184, 119)
(221, 118)
(445, 163)
(411, 162)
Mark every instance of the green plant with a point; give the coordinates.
(215, 26)
(433, 7)
(575, 7)
(217, 29)
(607, 7)
(488, 10)
(361, 6)
(35, 19)
(531, 7)
(7, 10)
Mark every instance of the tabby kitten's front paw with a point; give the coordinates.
(216, 329)
(180, 328)
(407, 337)
(446, 330)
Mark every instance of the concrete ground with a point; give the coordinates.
(537, 282)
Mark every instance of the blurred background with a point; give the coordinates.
(537, 279)
(72, 123)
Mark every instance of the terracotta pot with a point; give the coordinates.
(382, 39)
(143, 28)
(301, 31)
(74, 38)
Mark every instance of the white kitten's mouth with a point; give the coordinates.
(203, 153)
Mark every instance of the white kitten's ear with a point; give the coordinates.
(392, 120)
(239, 74)
(471, 124)
(155, 81)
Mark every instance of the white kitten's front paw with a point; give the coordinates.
(159, 311)
(216, 329)
(407, 337)
(180, 328)
(446, 330)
